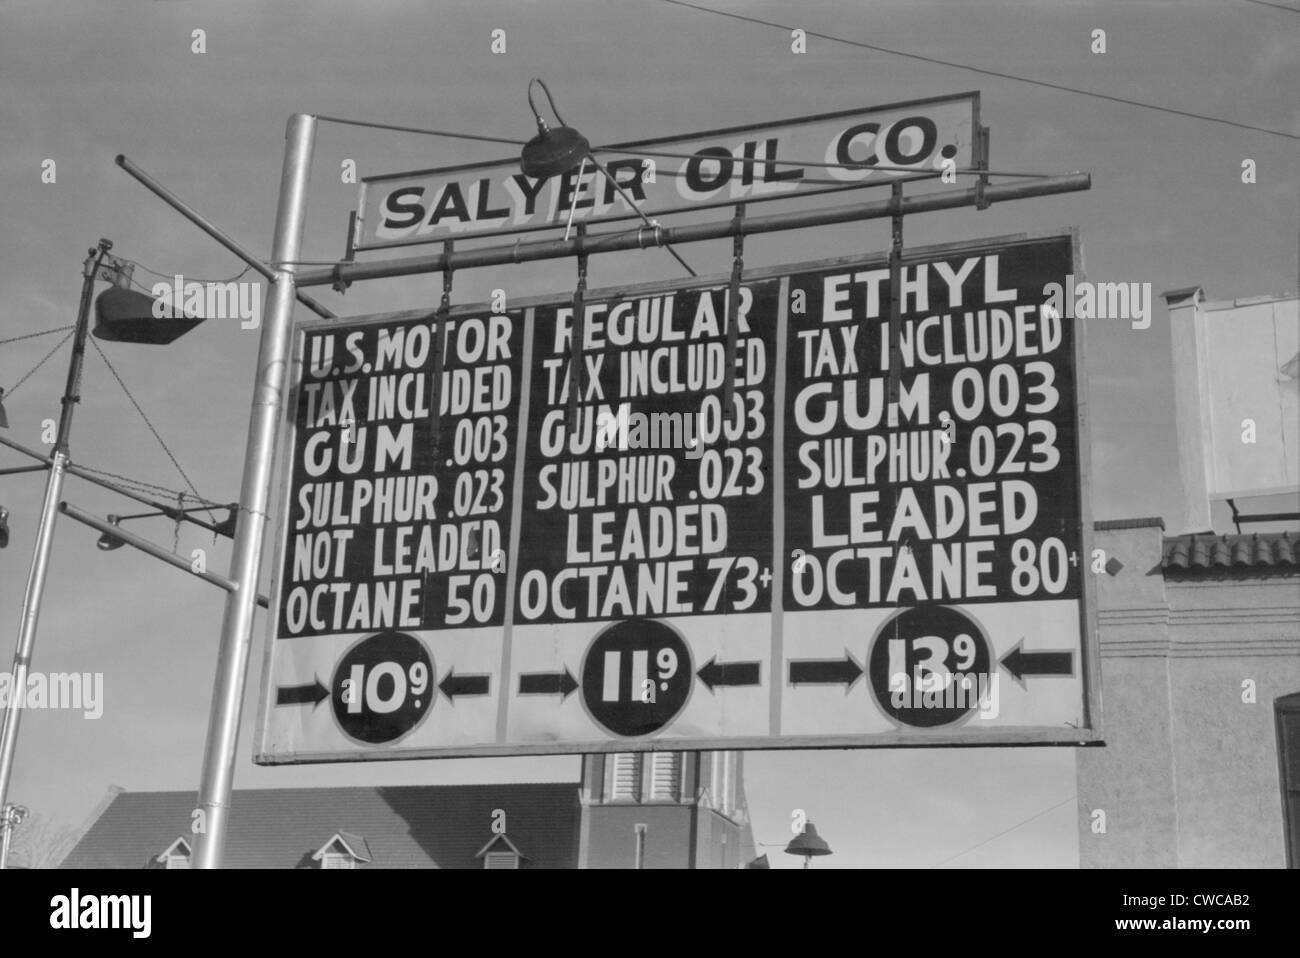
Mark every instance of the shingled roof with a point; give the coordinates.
(406, 826)
(1255, 553)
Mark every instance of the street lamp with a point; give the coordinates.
(121, 316)
(553, 152)
(109, 542)
(808, 844)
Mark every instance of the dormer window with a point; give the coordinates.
(177, 855)
(501, 853)
(343, 850)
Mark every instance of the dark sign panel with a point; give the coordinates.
(663, 562)
(392, 525)
(654, 502)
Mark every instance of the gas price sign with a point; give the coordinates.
(829, 552)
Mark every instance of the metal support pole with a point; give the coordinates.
(180, 206)
(45, 529)
(149, 548)
(11, 816)
(439, 338)
(690, 233)
(5, 829)
(895, 300)
(80, 472)
(733, 313)
(577, 359)
(273, 359)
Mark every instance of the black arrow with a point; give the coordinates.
(453, 685)
(547, 683)
(729, 673)
(1021, 663)
(312, 694)
(826, 671)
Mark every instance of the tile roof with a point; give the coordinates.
(1260, 552)
(406, 826)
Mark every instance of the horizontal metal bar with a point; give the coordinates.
(150, 548)
(179, 205)
(72, 468)
(17, 469)
(1267, 517)
(691, 233)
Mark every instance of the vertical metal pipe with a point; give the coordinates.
(895, 301)
(45, 534)
(733, 312)
(273, 358)
(577, 359)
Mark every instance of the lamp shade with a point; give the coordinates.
(127, 316)
(808, 843)
(553, 151)
(109, 542)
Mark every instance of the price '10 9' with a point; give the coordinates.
(362, 690)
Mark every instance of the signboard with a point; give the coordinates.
(1237, 376)
(708, 169)
(814, 569)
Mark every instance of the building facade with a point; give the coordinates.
(631, 810)
(1200, 682)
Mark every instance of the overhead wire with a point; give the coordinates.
(166, 449)
(9, 392)
(1003, 832)
(191, 279)
(984, 71)
(43, 332)
(1275, 6)
(743, 160)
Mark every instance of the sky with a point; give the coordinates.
(85, 80)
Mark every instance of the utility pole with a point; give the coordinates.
(45, 538)
(273, 359)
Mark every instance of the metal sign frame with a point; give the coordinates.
(357, 224)
(1089, 649)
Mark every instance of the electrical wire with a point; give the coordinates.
(44, 332)
(9, 393)
(1005, 832)
(150, 424)
(195, 279)
(743, 160)
(143, 487)
(415, 129)
(1275, 6)
(1060, 87)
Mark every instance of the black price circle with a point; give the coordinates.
(383, 688)
(636, 677)
(932, 648)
